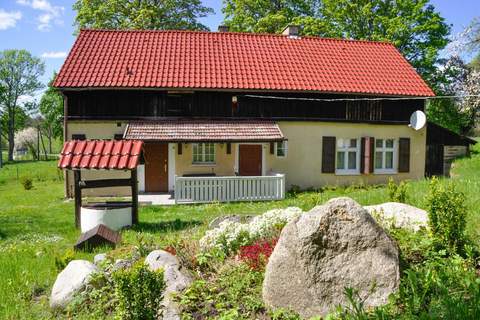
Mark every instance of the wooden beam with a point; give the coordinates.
(134, 185)
(91, 184)
(78, 197)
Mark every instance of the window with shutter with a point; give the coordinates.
(348, 156)
(385, 155)
(328, 154)
(404, 155)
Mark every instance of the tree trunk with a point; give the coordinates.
(11, 130)
(11, 142)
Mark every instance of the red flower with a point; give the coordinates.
(256, 255)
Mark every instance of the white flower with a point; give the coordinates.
(229, 236)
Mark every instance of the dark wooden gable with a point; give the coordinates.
(101, 235)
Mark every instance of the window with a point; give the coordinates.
(281, 149)
(384, 155)
(203, 153)
(348, 156)
(79, 137)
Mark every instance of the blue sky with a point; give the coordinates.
(44, 27)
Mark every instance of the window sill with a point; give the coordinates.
(347, 173)
(385, 172)
(213, 164)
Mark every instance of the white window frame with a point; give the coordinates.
(383, 150)
(346, 150)
(203, 154)
(285, 149)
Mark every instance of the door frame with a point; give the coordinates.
(237, 156)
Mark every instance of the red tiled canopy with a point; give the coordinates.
(100, 154)
(204, 130)
(228, 60)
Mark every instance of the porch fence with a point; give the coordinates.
(229, 189)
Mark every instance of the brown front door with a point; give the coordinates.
(250, 160)
(156, 167)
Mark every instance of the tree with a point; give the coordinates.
(456, 78)
(19, 74)
(413, 26)
(27, 139)
(140, 14)
(51, 109)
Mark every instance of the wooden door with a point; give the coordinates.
(156, 167)
(250, 160)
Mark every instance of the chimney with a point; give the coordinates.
(222, 28)
(291, 31)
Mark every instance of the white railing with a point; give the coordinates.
(226, 189)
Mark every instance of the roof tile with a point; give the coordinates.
(228, 60)
(100, 154)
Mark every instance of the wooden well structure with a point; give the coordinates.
(82, 155)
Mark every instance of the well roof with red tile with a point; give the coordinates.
(204, 131)
(237, 61)
(100, 154)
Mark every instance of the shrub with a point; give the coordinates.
(62, 261)
(27, 183)
(256, 255)
(447, 215)
(235, 292)
(397, 192)
(139, 292)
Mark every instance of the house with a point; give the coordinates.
(221, 113)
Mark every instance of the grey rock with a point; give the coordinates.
(399, 215)
(122, 264)
(215, 223)
(71, 281)
(176, 280)
(325, 250)
(99, 258)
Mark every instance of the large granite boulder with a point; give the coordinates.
(399, 215)
(70, 281)
(176, 280)
(325, 250)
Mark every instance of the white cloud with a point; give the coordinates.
(9, 19)
(50, 13)
(54, 54)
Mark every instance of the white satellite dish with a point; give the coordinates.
(418, 119)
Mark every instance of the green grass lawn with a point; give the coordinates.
(38, 225)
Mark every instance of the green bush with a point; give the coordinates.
(447, 215)
(62, 261)
(235, 292)
(397, 192)
(139, 292)
(27, 183)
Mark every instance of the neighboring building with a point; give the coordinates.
(240, 104)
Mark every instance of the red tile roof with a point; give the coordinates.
(204, 130)
(100, 154)
(228, 60)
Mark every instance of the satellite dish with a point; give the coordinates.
(418, 119)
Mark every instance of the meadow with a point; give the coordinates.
(37, 225)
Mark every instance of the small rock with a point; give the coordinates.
(215, 223)
(99, 258)
(122, 264)
(401, 215)
(325, 250)
(70, 281)
(175, 277)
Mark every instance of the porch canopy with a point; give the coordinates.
(204, 131)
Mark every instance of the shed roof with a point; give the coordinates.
(237, 61)
(204, 131)
(100, 154)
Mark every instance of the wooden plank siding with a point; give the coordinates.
(152, 104)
